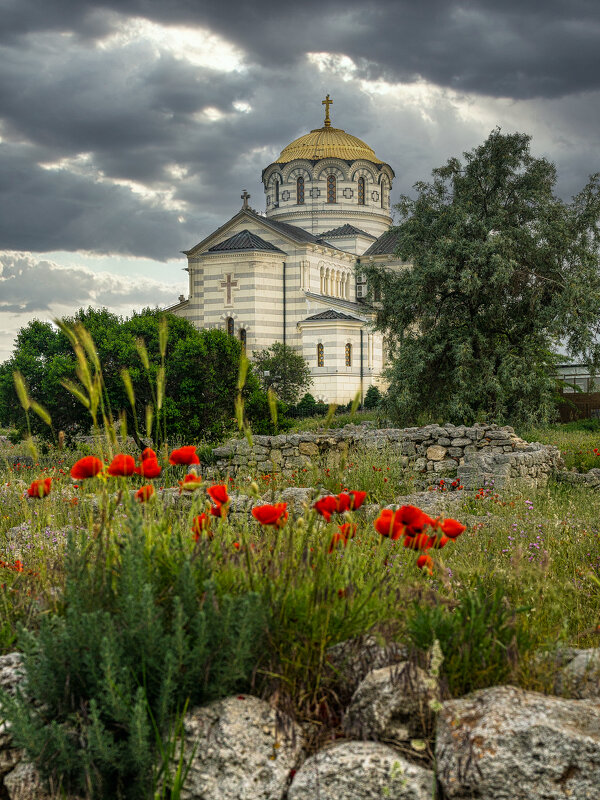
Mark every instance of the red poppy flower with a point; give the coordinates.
(149, 468)
(184, 455)
(190, 483)
(148, 453)
(271, 515)
(358, 498)
(200, 525)
(122, 466)
(419, 542)
(348, 530)
(145, 493)
(388, 524)
(218, 493)
(87, 467)
(425, 562)
(219, 510)
(40, 488)
(344, 501)
(335, 540)
(326, 506)
(414, 519)
(452, 528)
(438, 542)
(18, 566)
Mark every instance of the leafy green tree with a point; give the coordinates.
(372, 397)
(288, 371)
(502, 269)
(201, 372)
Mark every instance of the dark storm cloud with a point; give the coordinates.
(136, 111)
(31, 285)
(510, 48)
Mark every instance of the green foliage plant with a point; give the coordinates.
(481, 636)
(497, 270)
(142, 633)
(372, 397)
(288, 371)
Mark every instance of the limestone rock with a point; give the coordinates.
(297, 498)
(391, 703)
(24, 783)
(353, 659)
(11, 672)
(360, 771)
(435, 452)
(580, 678)
(243, 750)
(508, 744)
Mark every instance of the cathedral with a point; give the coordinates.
(292, 273)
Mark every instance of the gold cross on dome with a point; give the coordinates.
(327, 102)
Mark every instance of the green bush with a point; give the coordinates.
(372, 397)
(482, 637)
(142, 633)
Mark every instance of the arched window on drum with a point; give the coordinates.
(348, 354)
(320, 355)
(331, 189)
(300, 191)
(230, 326)
(361, 191)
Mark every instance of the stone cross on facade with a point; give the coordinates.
(327, 102)
(229, 285)
(245, 197)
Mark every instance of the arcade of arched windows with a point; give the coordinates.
(335, 282)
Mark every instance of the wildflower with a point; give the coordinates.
(218, 494)
(344, 501)
(18, 566)
(414, 519)
(200, 525)
(388, 523)
(425, 562)
(145, 493)
(452, 528)
(348, 530)
(190, 483)
(148, 453)
(149, 468)
(326, 506)
(335, 540)
(184, 455)
(122, 466)
(438, 542)
(271, 514)
(420, 542)
(40, 488)
(87, 467)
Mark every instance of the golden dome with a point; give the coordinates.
(327, 142)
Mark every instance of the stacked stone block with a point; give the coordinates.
(477, 455)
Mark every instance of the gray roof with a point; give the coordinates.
(330, 314)
(385, 245)
(345, 230)
(244, 240)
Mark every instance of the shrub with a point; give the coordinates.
(372, 397)
(142, 633)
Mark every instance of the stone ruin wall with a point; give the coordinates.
(476, 455)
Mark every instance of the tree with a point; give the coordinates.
(201, 372)
(288, 372)
(501, 271)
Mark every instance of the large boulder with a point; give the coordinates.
(24, 783)
(240, 748)
(391, 704)
(360, 771)
(508, 744)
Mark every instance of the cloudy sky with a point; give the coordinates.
(129, 127)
